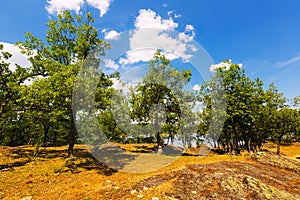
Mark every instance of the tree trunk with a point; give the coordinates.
(215, 144)
(247, 141)
(46, 130)
(156, 125)
(71, 137)
(55, 138)
(247, 146)
(158, 138)
(278, 146)
(230, 147)
(12, 141)
(235, 141)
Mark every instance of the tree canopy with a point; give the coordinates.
(42, 112)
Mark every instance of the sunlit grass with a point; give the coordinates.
(292, 151)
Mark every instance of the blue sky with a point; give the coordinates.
(264, 36)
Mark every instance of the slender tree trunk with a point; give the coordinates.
(235, 141)
(46, 130)
(230, 147)
(156, 125)
(247, 146)
(55, 138)
(158, 138)
(11, 142)
(247, 141)
(71, 137)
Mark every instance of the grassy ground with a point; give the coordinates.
(51, 175)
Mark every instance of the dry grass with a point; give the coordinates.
(51, 175)
(292, 151)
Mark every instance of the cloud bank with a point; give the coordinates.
(56, 6)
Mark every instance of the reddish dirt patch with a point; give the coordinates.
(228, 180)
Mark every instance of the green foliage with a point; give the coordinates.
(157, 100)
(286, 124)
(46, 112)
(11, 100)
(251, 112)
(110, 128)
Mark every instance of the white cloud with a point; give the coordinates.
(30, 81)
(151, 34)
(188, 35)
(55, 6)
(19, 59)
(123, 61)
(17, 56)
(165, 5)
(110, 64)
(149, 19)
(111, 35)
(225, 65)
(101, 5)
(134, 56)
(27, 82)
(175, 15)
(288, 62)
(189, 27)
(117, 84)
(196, 87)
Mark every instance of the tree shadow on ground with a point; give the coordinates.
(12, 157)
(219, 151)
(10, 166)
(113, 156)
(144, 149)
(83, 159)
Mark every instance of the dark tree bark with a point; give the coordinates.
(71, 137)
(46, 131)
